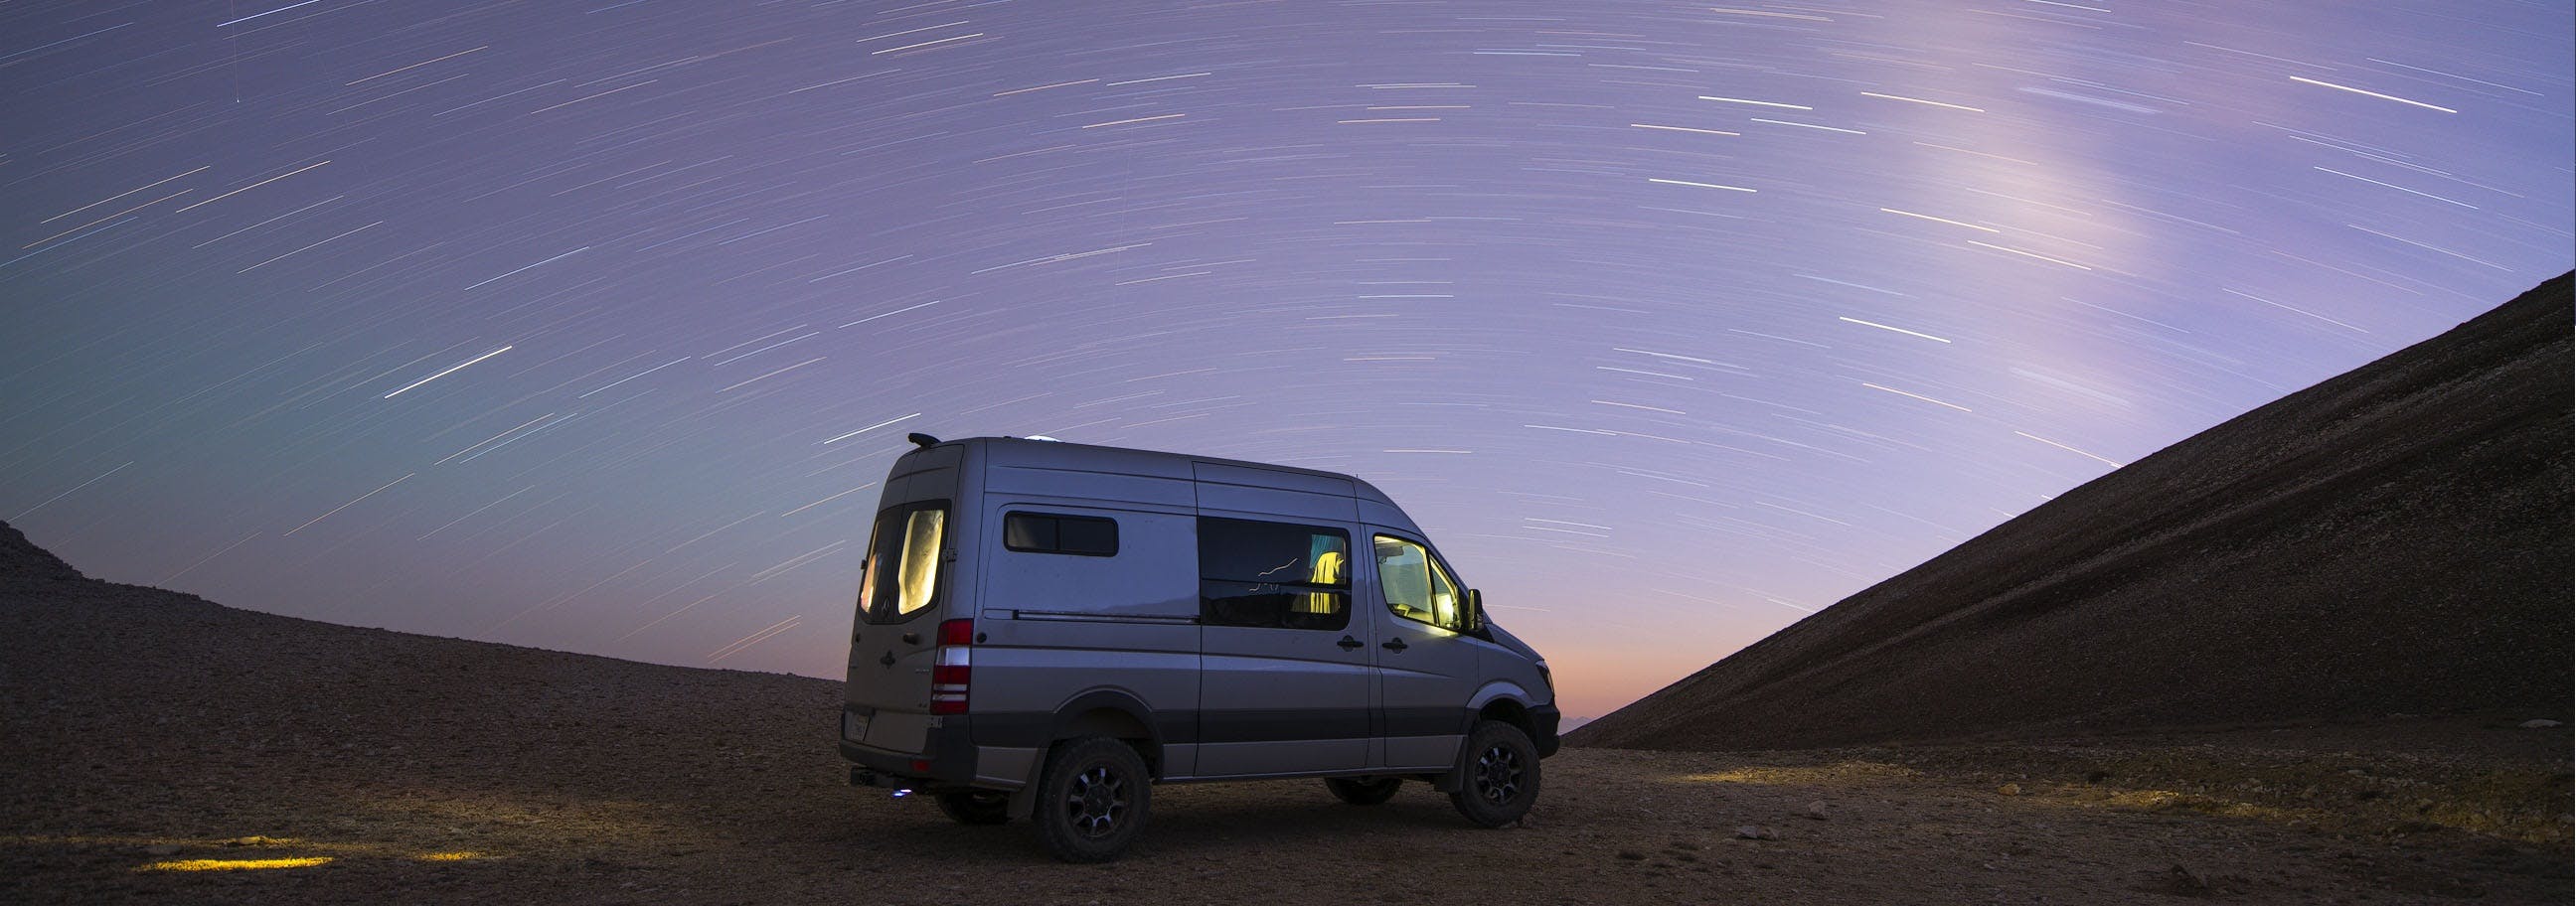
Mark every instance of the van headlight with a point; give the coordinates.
(1546, 677)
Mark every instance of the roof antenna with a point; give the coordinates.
(921, 440)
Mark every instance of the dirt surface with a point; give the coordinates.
(2396, 539)
(147, 731)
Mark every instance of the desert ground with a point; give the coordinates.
(160, 748)
(387, 768)
(766, 821)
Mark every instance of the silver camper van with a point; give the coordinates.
(1045, 630)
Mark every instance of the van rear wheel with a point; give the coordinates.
(975, 806)
(1363, 790)
(1092, 799)
(1498, 774)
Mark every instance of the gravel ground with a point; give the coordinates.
(146, 730)
(1613, 827)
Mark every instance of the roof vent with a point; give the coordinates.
(1043, 438)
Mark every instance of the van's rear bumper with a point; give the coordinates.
(1544, 719)
(947, 758)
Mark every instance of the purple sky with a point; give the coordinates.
(590, 327)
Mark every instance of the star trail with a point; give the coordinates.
(593, 326)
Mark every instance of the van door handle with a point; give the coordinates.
(1348, 643)
(912, 638)
(1396, 645)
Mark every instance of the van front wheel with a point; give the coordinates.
(1092, 799)
(1363, 790)
(1498, 770)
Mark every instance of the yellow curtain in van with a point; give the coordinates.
(1331, 568)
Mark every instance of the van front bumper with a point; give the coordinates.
(1544, 719)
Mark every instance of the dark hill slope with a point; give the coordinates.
(117, 697)
(2395, 539)
(21, 559)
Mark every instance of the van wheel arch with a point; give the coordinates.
(1115, 714)
(1508, 711)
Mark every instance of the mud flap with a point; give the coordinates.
(1024, 801)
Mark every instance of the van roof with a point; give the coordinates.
(1128, 460)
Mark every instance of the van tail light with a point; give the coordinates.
(952, 667)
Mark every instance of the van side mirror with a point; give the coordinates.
(1475, 610)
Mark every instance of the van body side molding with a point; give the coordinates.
(1062, 616)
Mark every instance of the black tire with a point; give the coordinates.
(1499, 774)
(1363, 790)
(975, 806)
(1092, 799)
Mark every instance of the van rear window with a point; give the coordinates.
(1056, 533)
(901, 576)
(1273, 574)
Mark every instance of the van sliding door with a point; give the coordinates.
(1284, 677)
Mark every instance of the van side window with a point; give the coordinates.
(1273, 574)
(1415, 585)
(1055, 533)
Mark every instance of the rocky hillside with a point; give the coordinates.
(21, 559)
(2393, 540)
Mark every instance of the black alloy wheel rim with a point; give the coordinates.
(1097, 801)
(1498, 774)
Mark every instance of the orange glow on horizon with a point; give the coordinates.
(1592, 682)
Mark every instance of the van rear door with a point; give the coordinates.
(897, 627)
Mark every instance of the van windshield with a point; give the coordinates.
(902, 572)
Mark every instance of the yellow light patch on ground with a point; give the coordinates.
(2162, 800)
(235, 864)
(173, 845)
(1847, 773)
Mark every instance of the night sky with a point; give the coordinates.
(592, 326)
